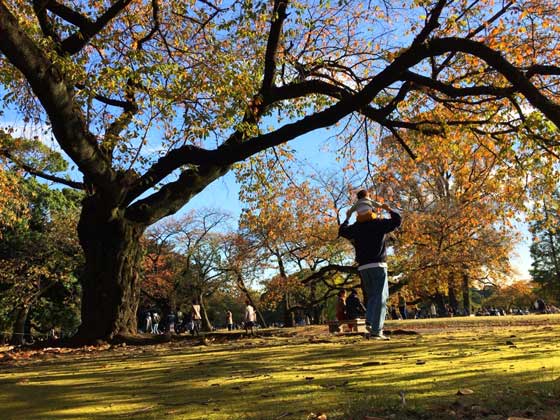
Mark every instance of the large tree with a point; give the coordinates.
(154, 100)
(460, 201)
(545, 249)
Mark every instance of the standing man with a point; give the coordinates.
(250, 318)
(368, 239)
(229, 320)
(402, 306)
(196, 317)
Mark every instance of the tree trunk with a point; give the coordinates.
(440, 303)
(206, 325)
(452, 293)
(18, 332)
(241, 286)
(466, 294)
(289, 319)
(110, 282)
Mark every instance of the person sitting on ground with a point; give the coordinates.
(340, 309)
(402, 306)
(364, 207)
(354, 307)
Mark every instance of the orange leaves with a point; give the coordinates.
(13, 206)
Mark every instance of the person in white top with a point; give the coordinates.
(196, 317)
(364, 207)
(250, 318)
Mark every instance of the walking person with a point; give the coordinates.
(368, 239)
(229, 320)
(433, 310)
(148, 322)
(155, 323)
(196, 317)
(250, 318)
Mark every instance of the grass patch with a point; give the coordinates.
(511, 365)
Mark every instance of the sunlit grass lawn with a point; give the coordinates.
(508, 360)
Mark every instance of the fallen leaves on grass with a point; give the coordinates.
(465, 391)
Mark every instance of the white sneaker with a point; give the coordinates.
(380, 336)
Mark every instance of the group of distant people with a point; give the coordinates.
(174, 322)
(191, 322)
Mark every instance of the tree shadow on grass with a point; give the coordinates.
(272, 379)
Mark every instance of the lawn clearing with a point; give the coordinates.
(505, 366)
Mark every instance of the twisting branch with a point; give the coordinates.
(32, 171)
(155, 27)
(108, 101)
(75, 42)
(542, 70)
(48, 84)
(402, 142)
(68, 14)
(130, 109)
(454, 92)
(431, 24)
(329, 269)
(471, 34)
(40, 9)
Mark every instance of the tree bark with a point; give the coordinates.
(206, 325)
(440, 303)
(241, 286)
(466, 294)
(18, 332)
(110, 282)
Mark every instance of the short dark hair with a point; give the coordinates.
(362, 193)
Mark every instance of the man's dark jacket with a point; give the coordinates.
(369, 237)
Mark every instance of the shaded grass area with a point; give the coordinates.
(509, 367)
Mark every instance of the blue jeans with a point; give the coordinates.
(377, 290)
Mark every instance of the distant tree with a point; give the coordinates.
(40, 260)
(518, 294)
(459, 201)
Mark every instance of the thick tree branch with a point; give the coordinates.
(454, 92)
(542, 70)
(75, 42)
(278, 17)
(40, 9)
(155, 27)
(431, 24)
(48, 85)
(68, 14)
(495, 59)
(231, 152)
(329, 269)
